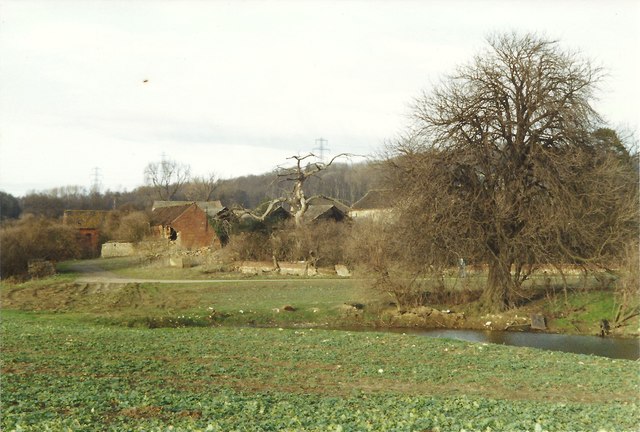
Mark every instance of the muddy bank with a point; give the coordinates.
(525, 319)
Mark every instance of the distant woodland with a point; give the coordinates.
(344, 181)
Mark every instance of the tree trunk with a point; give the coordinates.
(495, 297)
(299, 203)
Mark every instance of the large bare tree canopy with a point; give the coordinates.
(167, 177)
(509, 165)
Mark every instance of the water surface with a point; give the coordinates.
(622, 348)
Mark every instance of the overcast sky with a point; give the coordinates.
(236, 87)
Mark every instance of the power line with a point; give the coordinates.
(96, 184)
(320, 143)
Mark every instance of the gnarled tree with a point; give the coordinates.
(298, 175)
(504, 167)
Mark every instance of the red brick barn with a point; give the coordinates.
(187, 225)
(88, 224)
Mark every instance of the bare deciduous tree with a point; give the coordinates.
(167, 177)
(502, 167)
(201, 188)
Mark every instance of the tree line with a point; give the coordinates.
(343, 181)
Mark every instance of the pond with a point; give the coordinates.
(619, 348)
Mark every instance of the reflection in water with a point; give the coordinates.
(606, 347)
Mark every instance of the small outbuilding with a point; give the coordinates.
(185, 224)
(88, 224)
(325, 208)
(316, 213)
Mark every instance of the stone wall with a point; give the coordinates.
(286, 268)
(116, 249)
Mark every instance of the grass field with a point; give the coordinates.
(59, 373)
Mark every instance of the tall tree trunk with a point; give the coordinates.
(496, 294)
(299, 203)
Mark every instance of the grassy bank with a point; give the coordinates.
(57, 373)
(250, 302)
(234, 299)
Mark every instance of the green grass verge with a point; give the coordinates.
(250, 302)
(261, 301)
(580, 309)
(59, 374)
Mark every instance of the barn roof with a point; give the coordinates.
(84, 218)
(321, 200)
(326, 211)
(166, 215)
(375, 199)
(212, 208)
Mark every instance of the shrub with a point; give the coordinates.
(125, 227)
(321, 243)
(248, 246)
(375, 250)
(627, 286)
(133, 227)
(34, 238)
(325, 242)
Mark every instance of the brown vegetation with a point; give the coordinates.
(320, 244)
(34, 238)
(167, 177)
(628, 288)
(502, 167)
(126, 227)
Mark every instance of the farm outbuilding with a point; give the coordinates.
(87, 224)
(325, 208)
(326, 212)
(185, 224)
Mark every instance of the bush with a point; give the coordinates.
(133, 227)
(627, 286)
(125, 227)
(375, 250)
(248, 246)
(34, 238)
(322, 244)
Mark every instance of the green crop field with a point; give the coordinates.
(190, 356)
(59, 373)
